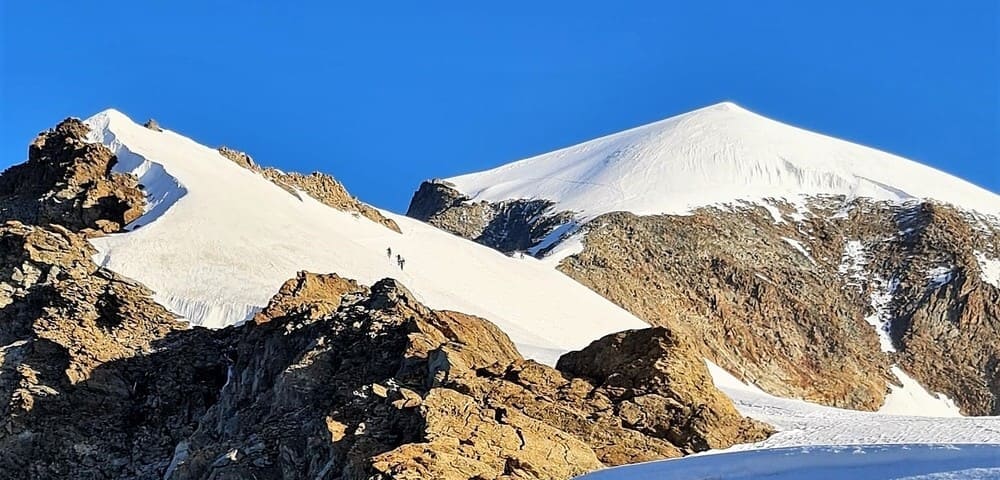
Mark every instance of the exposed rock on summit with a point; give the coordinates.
(70, 182)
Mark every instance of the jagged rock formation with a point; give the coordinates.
(514, 225)
(69, 182)
(77, 394)
(946, 318)
(336, 381)
(319, 186)
(386, 388)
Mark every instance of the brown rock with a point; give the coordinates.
(69, 182)
(319, 186)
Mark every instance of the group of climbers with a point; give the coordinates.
(399, 258)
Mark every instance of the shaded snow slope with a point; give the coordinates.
(714, 155)
(868, 462)
(220, 239)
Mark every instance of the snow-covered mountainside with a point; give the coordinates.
(218, 240)
(717, 154)
(763, 240)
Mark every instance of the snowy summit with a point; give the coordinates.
(713, 155)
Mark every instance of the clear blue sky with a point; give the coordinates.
(386, 94)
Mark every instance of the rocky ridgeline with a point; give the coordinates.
(331, 380)
(785, 297)
(510, 226)
(319, 186)
(69, 182)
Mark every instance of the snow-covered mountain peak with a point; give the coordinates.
(717, 154)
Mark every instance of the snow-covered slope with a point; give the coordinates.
(219, 240)
(818, 442)
(863, 462)
(717, 154)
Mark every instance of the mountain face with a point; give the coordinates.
(330, 379)
(418, 354)
(806, 265)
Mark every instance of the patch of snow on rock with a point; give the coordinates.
(797, 245)
(939, 276)
(911, 398)
(881, 300)
(989, 268)
(853, 263)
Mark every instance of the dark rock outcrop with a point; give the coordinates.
(69, 182)
(509, 226)
(788, 297)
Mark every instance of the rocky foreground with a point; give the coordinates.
(332, 380)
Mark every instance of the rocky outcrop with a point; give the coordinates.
(320, 186)
(660, 386)
(789, 302)
(69, 182)
(509, 226)
(83, 391)
(946, 318)
(386, 388)
(333, 380)
(153, 125)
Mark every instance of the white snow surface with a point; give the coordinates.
(219, 240)
(911, 398)
(882, 295)
(989, 268)
(853, 263)
(714, 155)
(801, 423)
(818, 442)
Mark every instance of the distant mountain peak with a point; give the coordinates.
(717, 154)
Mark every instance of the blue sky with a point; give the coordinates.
(384, 95)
